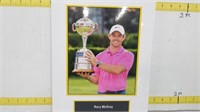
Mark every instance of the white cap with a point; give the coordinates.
(118, 28)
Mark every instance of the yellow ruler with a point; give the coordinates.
(174, 100)
(26, 101)
(152, 100)
(174, 6)
(28, 3)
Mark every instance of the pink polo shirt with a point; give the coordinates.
(112, 82)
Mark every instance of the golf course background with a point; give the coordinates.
(79, 86)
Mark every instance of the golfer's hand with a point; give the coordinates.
(91, 58)
(84, 74)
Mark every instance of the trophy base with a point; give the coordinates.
(83, 70)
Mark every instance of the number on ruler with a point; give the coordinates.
(177, 93)
(184, 15)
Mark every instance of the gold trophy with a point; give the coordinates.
(84, 27)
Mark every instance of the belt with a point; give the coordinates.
(113, 92)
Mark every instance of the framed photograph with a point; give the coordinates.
(105, 17)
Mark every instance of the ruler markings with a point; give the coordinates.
(175, 6)
(26, 3)
(152, 100)
(26, 101)
(174, 100)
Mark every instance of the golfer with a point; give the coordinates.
(112, 65)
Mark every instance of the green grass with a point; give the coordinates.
(80, 86)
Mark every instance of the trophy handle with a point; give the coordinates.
(96, 26)
(73, 27)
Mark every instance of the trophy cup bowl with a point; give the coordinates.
(84, 27)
